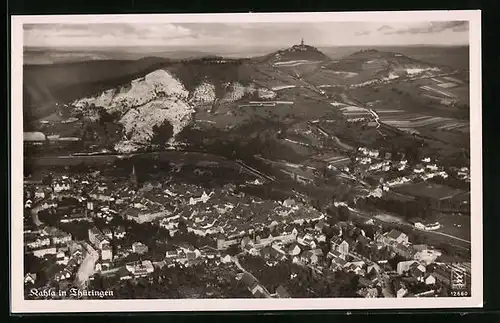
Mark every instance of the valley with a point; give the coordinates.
(291, 141)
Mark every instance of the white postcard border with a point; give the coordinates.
(20, 305)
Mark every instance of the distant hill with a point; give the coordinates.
(297, 53)
(373, 59)
(453, 56)
(372, 66)
(39, 56)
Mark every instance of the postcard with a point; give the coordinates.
(235, 162)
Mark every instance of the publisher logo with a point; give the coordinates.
(458, 278)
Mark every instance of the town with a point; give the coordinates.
(170, 238)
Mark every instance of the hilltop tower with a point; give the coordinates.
(302, 42)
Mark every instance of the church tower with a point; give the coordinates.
(302, 42)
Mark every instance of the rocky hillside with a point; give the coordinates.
(159, 97)
(44, 86)
(143, 104)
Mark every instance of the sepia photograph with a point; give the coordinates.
(277, 161)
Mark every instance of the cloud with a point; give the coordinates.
(362, 33)
(112, 34)
(384, 27)
(433, 27)
(236, 35)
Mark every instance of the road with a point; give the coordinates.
(34, 216)
(240, 267)
(87, 267)
(255, 171)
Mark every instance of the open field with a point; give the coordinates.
(455, 225)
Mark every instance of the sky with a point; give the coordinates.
(254, 34)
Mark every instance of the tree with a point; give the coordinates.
(233, 250)
(162, 133)
(344, 213)
(182, 227)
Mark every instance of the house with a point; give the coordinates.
(354, 267)
(401, 292)
(140, 268)
(309, 257)
(252, 251)
(340, 245)
(373, 269)
(399, 237)
(289, 202)
(58, 236)
(337, 263)
(169, 263)
(404, 266)
(368, 292)
(38, 243)
(40, 253)
(62, 258)
(119, 232)
(417, 271)
(226, 259)
(62, 275)
(30, 278)
(430, 280)
(124, 274)
(403, 250)
(190, 255)
(307, 240)
(61, 186)
(281, 292)
(442, 274)
(108, 233)
(98, 267)
(169, 254)
(76, 250)
(106, 253)
(223, 244)
(139, 248)
(97, 238)
(294, 249)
